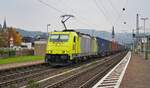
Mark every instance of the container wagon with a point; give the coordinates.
(104, 47)
(114, 47)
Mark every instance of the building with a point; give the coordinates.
(27, 42)
(4, 25)
(9, 37)
(40, 48)
(3, 35)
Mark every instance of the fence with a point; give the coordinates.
(9, 52)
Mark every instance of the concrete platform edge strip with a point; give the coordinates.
(126, 59)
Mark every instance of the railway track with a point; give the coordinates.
(114, 77)
(87, 77)
(22, 73)
(21, 76)
(14, 76)
(40, 74)
(63, 79)
(96, 77)
(20, 69)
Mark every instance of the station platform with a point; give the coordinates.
(132, 72)
(137, 74)
(23, 64)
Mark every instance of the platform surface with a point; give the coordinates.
(15, 65)
(137, 74)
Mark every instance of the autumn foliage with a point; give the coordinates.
(7, 34)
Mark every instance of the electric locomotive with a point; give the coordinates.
(69, 46)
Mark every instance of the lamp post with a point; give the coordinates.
(145, 40)
(47, 27)
(144, 19)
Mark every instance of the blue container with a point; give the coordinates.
(103, 46)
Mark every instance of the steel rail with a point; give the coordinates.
(61, 82)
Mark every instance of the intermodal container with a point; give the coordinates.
(102, 46)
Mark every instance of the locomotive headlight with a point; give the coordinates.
(50, 51)
(47, 51)
(63, 51)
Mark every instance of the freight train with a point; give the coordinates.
(68, 46)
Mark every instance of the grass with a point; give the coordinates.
(19, 59)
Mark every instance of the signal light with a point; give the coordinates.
(123, 9)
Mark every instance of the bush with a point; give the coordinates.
(12, 53)
(3, 52)
(8, 52)
(32, 84)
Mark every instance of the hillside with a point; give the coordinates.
(25, 33)
(120, 37)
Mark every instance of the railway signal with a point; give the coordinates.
(123, 9)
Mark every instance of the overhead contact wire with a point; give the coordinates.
(50, 6)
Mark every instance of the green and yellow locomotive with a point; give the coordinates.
(68, 46)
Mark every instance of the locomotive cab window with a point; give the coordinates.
(59, 37)
(74, 39)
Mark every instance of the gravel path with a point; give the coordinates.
(137, 74)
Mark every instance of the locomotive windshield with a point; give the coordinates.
(59, 37)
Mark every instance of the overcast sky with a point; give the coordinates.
(89, 14)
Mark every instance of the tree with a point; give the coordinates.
(18, 39)
(7, 34)
(15, 35)
(3, 39)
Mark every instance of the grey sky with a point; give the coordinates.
(89, 14)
